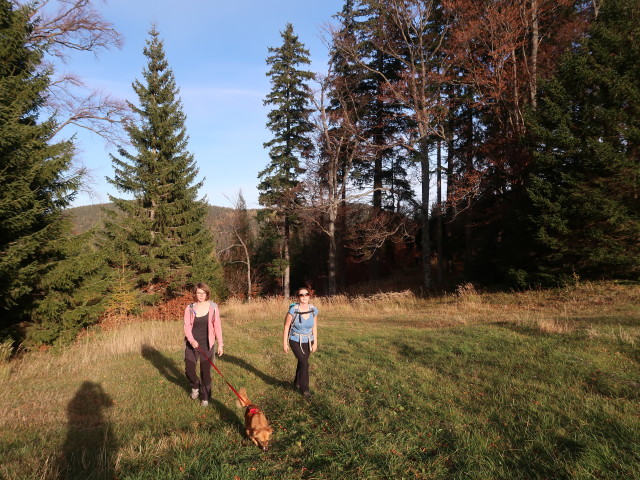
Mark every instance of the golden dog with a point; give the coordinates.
(255, 423)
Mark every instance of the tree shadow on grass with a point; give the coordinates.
(90, 447)
(268, 379)
(167, 367)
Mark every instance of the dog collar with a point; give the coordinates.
(253, 410)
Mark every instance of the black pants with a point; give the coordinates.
(190, 359)
(302, 352)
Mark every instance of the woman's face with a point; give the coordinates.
(201, 295)
(303, 296)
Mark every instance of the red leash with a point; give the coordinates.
(216, 369)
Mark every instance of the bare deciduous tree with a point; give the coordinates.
(97, 112)
(340, 142)
(63, 26)
(369, 229)
(235, 235)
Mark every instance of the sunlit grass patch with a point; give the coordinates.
(495, 385)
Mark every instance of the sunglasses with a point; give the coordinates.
(303, 294)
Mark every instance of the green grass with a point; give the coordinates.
(495, 386)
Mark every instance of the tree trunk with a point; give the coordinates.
(374, 263)
(468, 237)
(439, 212)
(331, 230)
(424, 208)
(249, 286)
(449, 191)
(377, 183)
(248, 261)
(341, 224)
(286, 284)
(535, 38)
(469, 157)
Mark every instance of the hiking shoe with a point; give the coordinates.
(194, 393)
(306, 394)
(204, 403)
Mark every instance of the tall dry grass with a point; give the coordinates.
(580, 307)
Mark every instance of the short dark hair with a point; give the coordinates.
(201, 286)
(303, 288)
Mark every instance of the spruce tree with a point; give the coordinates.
(383, 120)
(36, 182)
(160, 230)
(584, 190)
(291, 126)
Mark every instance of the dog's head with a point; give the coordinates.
(261, 437)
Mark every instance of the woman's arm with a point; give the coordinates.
(217, 328)
(188, 327)
(314, 331)
(285, 333)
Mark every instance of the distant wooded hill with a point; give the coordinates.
(87, 217)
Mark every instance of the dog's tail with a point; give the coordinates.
(243, 394)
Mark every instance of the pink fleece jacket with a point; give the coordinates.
(215, 327)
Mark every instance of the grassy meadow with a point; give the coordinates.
(529, 385)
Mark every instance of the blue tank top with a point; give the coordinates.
(300, 325)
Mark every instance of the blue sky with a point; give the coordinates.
(217, 51)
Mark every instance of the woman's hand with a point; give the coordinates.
(195, 344)
(285, 347)
(314, 346)
(220, 350)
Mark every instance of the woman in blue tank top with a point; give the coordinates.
(301, 335)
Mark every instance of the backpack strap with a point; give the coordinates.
(295, 312)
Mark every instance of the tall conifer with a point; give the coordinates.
(35, 178)
(586, 181)
(385, 168)
(161, 230)
(289, 121)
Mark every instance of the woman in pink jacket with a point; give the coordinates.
(202, 328)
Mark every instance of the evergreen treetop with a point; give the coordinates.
(161, 230)
(289, 120)
(382, 119)
(290, 123)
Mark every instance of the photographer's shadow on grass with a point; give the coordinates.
(167, 367)
(268, 379)
(90, 447)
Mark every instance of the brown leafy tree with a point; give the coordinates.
(501, 51)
